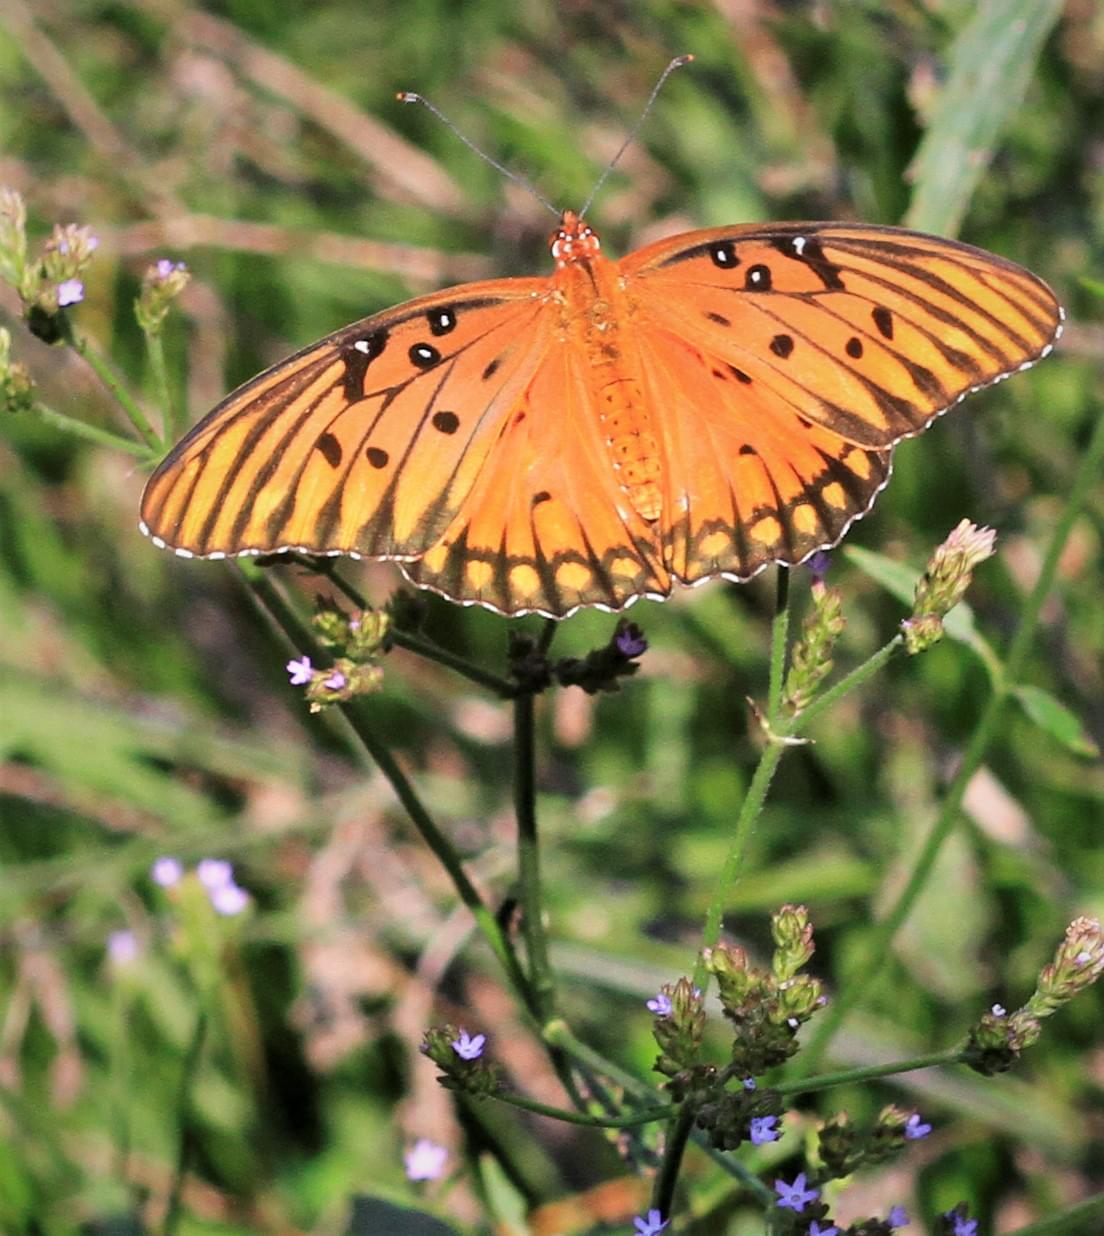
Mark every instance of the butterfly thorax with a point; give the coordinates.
(596, 322)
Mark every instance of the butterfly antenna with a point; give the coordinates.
(408, 96)
(677, 63)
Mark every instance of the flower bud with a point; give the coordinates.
(944, 583)
(811, 659)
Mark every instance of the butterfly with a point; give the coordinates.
(708, 405)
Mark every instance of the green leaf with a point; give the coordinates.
(1053, 717)
(1095, 286)
(991, 64)
(372, 1216)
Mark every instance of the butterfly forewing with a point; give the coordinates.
(366, 443)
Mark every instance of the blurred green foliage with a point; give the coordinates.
(144, 709)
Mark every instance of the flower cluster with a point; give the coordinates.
(161, 285)
(425, 1160)
(679, 1025)
(944, 583)
(843, 1149)
(16, 385)
(996, 1041)
(459, 1056)
(214, 875)
(355, 642)
(811, 659)
(50, 282)
(599, 670)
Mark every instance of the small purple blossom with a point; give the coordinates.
(963, 1226)
(229, 899)
(659, 1004)
(299, 671)
(630, 641)
(816, 1230)
(898, 1217)
(166, 871)
(762, 1130)
(998, 1010)
(166, 266)
(214, 873)
(650, 1224)
(1083, 958)
(122, 948)
(336, 681)
(71, 292)
(468, 1047)
(795, 1196)
(748, 1083)
(915, 1128)
(819, 563)
(425, 1160)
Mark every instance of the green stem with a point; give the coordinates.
(183, 1107)
(105, 371)
(847, 684)
(869, 968)
(172, 418)
(1068, 1223)
(558, 1033)
(91, 433)
(780, 629)
(297, 631)
(870, 1072)
(632, 1120)
(678, 1134)
(529, 881)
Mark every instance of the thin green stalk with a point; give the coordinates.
(870, 1072)
(91, 433)
(859, 675)
(632, 1120)
(780, 629)
(105, 371)
(286, 618)
(183, 1108)
(1069, 1222)
(541, 978)
(870, 967)
(172, 417)
(559, 1034)
(678, 1134)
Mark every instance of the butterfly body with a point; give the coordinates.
(705, 406)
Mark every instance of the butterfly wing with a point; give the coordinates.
(793, 357)
(547, 528)
(365, 443)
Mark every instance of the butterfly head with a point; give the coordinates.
(573, 241)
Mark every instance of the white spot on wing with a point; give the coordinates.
(798, 243)
(362, 345)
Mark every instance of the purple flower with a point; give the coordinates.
(336, 681)
(898, 1217)
(915, 1128)
(299, 671)
(630, 641)
(819, 563)
(166, 871)
(425, 1160)
(998, 1010)
(122, 948)
(963, 1226)
(659, 1004)
(816, 1230)
(166, 266)
(229, 899)
(795, 1197)
(748, 1083)
(762, 1130)
(468, 1048)
(214, 873)
(71, 292)
(651, 1224)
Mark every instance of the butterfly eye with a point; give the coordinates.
(724, 255)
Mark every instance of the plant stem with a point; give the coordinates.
(171, 417)
(286, 618)
(846, 685)
(678, 1133)
(632, 1120)
(541, 979)
(869, 1072)
(869, 968)
(780, 629)
(183, 1106)
(92, 433)
(105, 371)
(559, 1034)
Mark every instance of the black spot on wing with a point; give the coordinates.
(782, 345)
(854, 347)
(377, 457)
(719, 318)
(441, 321)
(424, 355)
(883, 320)
(490, 370)
(739, 375)
(446, 422)
(758, 278)
(330, 448)
(357, 355)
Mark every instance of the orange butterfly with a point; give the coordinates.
(706, 406)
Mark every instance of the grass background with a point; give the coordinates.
(144, 707)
